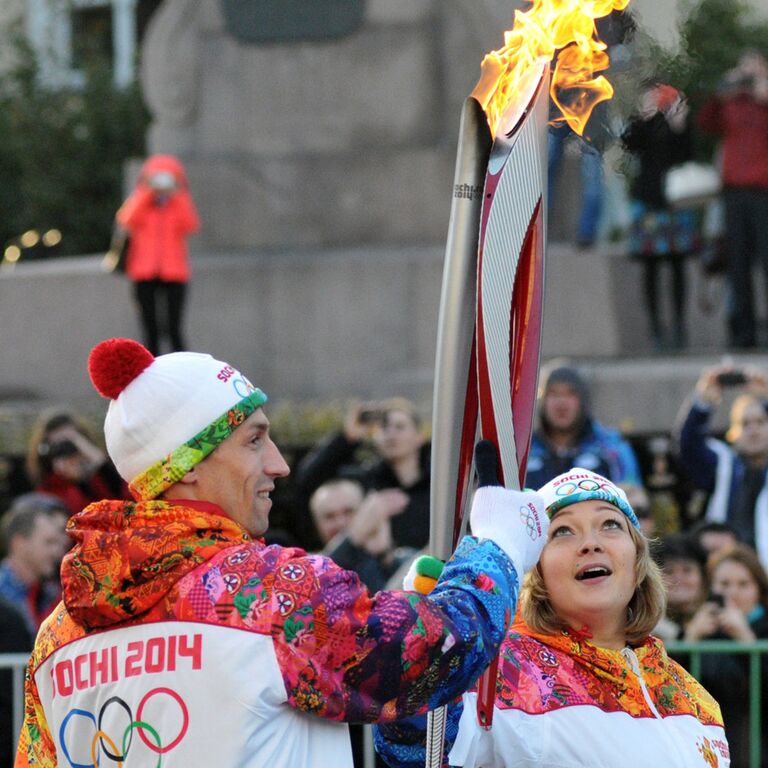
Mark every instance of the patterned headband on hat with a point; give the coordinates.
(166, 413)
(580, 484)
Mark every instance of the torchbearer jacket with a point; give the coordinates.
(183, 640)
(562, 702)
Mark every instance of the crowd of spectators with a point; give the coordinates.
(726, 229)
(361, 495)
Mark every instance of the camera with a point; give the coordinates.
(731, 378)
(736, 83)
(370, 416)
(162, 181)
(717, 599)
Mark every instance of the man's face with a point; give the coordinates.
(43, 549)
(240, 474)
(753, 440)
(562, 406)
(399, 437)
(334, 507)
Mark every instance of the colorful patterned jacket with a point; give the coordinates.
(562, 702)
(183, 641)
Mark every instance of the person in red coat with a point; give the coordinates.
(158, 216)
(738, 114)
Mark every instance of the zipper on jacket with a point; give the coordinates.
(631, 657)
(670, 733)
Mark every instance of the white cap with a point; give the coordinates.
(158, 405)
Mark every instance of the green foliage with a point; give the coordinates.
(713, 34)
(294, 423)
(62, 152)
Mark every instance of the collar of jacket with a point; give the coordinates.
(128, 555)
(580, 672)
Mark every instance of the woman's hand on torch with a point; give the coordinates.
(514, 520)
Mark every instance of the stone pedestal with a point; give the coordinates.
(335, 142)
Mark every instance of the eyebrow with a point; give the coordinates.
(262, 425)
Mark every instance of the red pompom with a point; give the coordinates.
(113, 364)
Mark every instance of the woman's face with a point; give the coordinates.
(684, 581)
(588, 566)
(398, 437)
(734, 582)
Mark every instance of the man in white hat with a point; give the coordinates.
(183, 637)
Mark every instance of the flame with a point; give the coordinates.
(550, 25)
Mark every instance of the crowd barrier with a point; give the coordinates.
(755, 650)
(17, 663)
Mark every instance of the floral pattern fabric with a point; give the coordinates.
(542, 673)
(343, 654)
(539, 673)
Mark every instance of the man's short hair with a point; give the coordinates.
(22, 515)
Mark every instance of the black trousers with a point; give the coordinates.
(161, 306)
(652, 267)
(746, 230)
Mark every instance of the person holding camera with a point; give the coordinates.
(733, 471)
(159, 216)
(63, 460)
(736, 609)
(738, 114)
(393, 430)
(658, 137)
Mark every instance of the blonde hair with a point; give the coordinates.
(738, 409)
(645, 609)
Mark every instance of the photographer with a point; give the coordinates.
(393, 430)
(658, 137)
(158, 216)
(738, 114)
(64, 461)
(732, 472)
(735, 610)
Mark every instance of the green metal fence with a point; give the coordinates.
(17, 663)
(755, 650)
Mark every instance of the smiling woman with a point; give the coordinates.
(581, 681)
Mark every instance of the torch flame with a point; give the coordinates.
(550, 25)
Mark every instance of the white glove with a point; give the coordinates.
(515, 520)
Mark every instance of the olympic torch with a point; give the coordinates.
(489, 328)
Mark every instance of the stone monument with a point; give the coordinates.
(312, 142)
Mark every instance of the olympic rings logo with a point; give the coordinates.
(104, 743)
(528, 519)
(242, 386)
(587, 484)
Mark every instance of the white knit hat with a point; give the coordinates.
(578, 484)
(166, 413)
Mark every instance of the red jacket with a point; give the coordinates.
(743, 125)
(159, 227)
